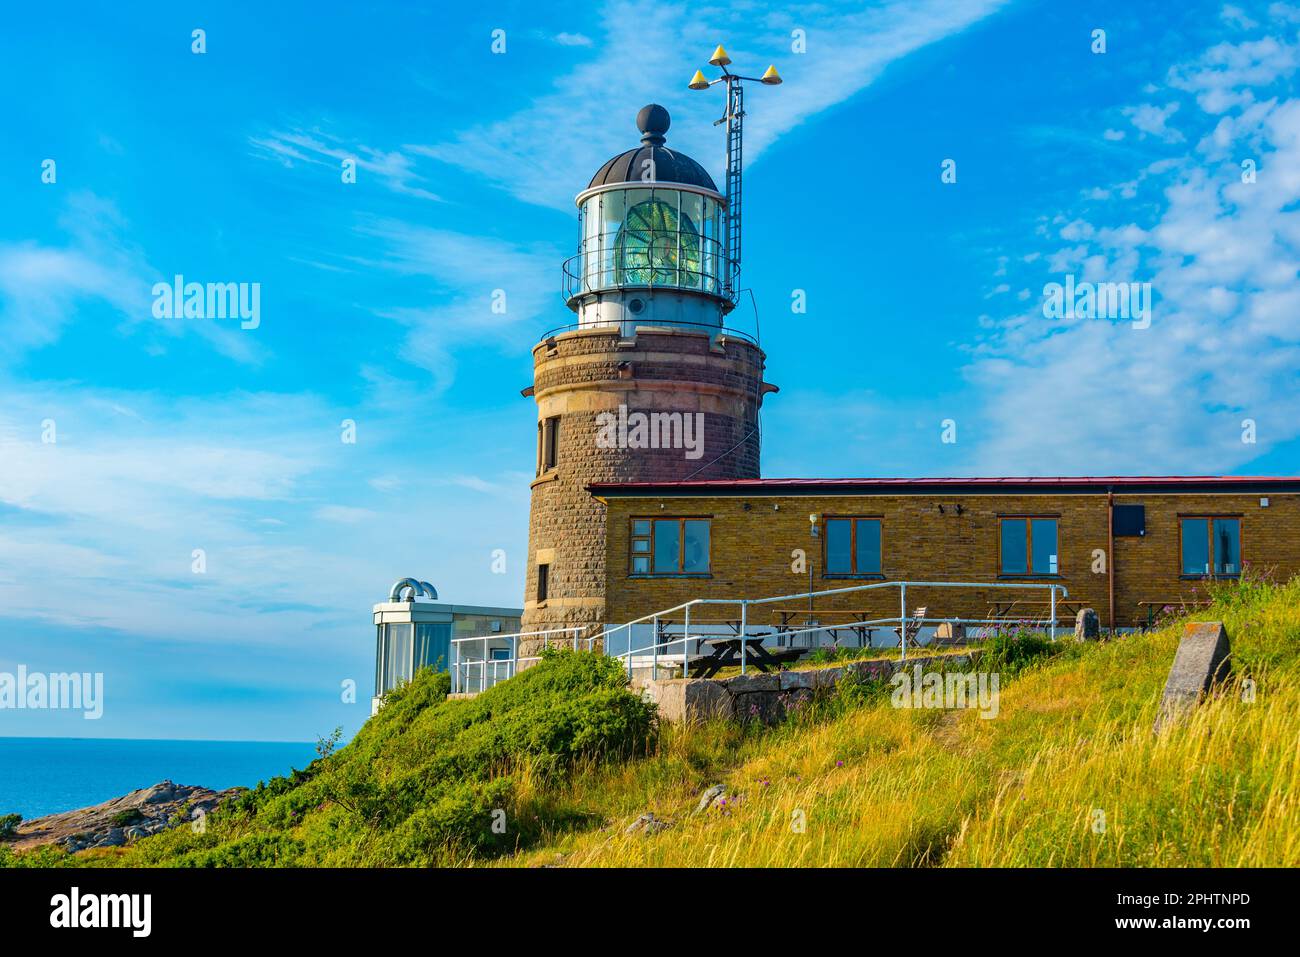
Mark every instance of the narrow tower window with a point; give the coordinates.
(551, 443)
(543, 581)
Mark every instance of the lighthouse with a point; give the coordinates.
(651, 286)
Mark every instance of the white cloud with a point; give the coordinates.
(316, 148)
(44, 288)
(642, 44)
(572, 39)
(99, 527)
(1151, 120)
(1237, 17)
(490, 291)
(1223, 259)
(346, 514)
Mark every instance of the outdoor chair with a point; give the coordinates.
(911, 628)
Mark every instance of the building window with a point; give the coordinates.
(670, 546)
(405, 647)
(852, 546)
(543, 581)
(1210, 545)
(550, 439)
(1028, 546)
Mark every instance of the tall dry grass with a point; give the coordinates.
(1068, 774)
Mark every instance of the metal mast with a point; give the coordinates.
(735, 120)
(734, 117)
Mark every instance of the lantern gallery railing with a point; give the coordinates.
(703, 269)
(470, 673)
(631, 327)
(649, 655)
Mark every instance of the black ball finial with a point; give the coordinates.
(653, 122)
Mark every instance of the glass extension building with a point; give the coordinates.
(416, 633)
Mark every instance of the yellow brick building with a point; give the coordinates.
(1126, 547)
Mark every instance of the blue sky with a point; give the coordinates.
(925, 299)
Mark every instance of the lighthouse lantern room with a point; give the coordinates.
(652, 247)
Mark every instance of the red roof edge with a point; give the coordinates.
(1100, 481)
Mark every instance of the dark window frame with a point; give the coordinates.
(543, 581)
(1210, 518)
(1029, 519)
(649, 555)
(550, 437)
(853, 546)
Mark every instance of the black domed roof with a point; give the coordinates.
(669, 166)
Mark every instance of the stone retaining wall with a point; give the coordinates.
(766, 697)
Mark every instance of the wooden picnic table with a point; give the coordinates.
(796, 619)
(1152, 606)
(1066, 608)
(726, 652)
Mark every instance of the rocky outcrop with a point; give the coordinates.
(122, 820)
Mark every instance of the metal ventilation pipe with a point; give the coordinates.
(394, 593)
(430, 592)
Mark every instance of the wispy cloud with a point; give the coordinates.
(1222, 254)
(1152, 120)
(41, 285)
(313, 147)
(111, 513)
(572, 39)
(532, 153)
(47, 287)
(486, 290)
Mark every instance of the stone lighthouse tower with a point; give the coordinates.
(648, 384)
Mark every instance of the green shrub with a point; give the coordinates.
(427, 778)
(258, 850)
(1012, 652)
(127, 818)
(9, 824)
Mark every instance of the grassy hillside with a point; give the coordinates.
(1067, 774)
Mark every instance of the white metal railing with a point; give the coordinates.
(491, 670)
(744, 603)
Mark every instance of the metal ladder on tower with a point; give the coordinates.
(735, 122)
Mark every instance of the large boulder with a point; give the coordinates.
(1201, 662)
(1087, 625)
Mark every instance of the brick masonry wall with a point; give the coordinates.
(583, 373)
(751, 551)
